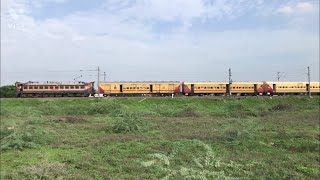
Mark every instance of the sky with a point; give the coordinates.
(159, 40)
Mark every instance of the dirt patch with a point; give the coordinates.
(188, 112)
(282, 107)
(177, 120)
(120, 138)
(70, 119)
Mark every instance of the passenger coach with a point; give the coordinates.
(155, 88)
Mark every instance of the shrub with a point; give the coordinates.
(25, 139)
(205, 163)
(43, 170)
(128, 122)
(7, 91)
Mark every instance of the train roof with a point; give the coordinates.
(215, 82)
(53, 83)
(138, 82)
(280, 82)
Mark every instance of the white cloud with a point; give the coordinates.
(122, 42)
(298, 8)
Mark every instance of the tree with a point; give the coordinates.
(7, 91)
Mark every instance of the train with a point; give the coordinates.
(163, 88)
(54, 89)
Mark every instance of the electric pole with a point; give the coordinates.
(104, 76)
(230, 81)
(98, 82)
(309, 86)
(278, 76)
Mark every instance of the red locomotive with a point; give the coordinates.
(54, 89)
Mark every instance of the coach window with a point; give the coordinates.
(66, 87)
(51, 87)
(40, 87)
(36, 87)
(25, 87)
(61, 87)
(46, 87)
(82, 87)
(30, 87)
(56, 87)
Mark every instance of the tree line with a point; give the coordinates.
(7, 91)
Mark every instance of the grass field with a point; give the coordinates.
(160, 138)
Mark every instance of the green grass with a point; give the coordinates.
(160, 138)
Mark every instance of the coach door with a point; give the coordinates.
(255, 87)
(192, 88)
(121, 88)
(151, 88)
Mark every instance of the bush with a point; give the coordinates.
(21, 140)
(128, 122)
(43, 170)
(7, 91)
(205, 164)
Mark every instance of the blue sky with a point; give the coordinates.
(185, 40)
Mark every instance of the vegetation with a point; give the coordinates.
(160, 138)
(7, 91)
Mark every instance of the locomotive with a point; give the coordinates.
(54, 89)
(163, 88)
